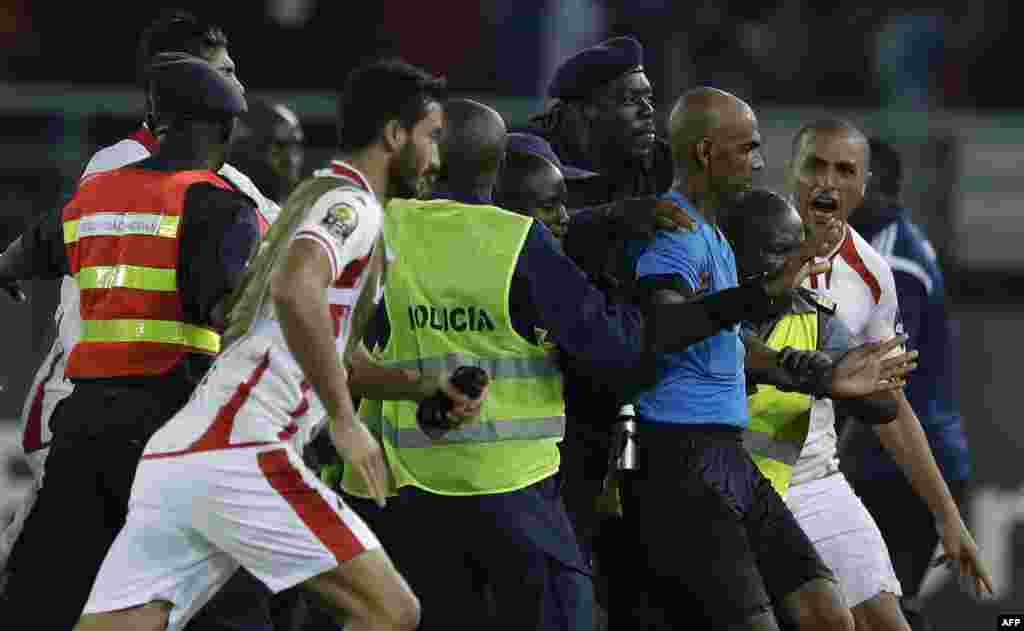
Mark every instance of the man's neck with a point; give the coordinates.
(696, 190)
(183, 155)
(831, 246)
(373, 165)
(480, 192)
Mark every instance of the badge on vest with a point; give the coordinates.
(341, 221)
(823, 302)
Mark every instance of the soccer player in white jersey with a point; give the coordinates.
(221, 485)
(827, 176)
(171, 31)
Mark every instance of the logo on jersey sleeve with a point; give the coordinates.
(341, 221)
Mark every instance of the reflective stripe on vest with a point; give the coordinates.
(130, 276)
(465, 267)
(121, 224)
(153, 331)
(779, 421)
(490, 432)
(121, 233)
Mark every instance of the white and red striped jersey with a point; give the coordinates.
(256, 393)
(49, 387)
(861, 283)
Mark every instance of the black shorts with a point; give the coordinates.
(718, 542)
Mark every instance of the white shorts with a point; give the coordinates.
(194, 518)
(846, 537)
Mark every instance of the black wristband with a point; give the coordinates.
(748, 302)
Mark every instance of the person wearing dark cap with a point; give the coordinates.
(151, 274)
(601, 119)
(532, 183)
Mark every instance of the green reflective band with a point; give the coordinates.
(157, 331)
(763, 445)
(476, 432)
(128, 276)
(497, 368)
(121, 224)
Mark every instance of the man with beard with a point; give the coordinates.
(905, 521)
(828, 176)
(222, 484)
(745, 553)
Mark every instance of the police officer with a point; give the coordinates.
(601, 119)
(155, 248)
(533, 182)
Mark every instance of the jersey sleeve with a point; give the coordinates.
(345, 222)
(835, 339)
(885, 322)
(114, 157)
(673, 255)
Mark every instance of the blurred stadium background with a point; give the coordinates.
(932, 81)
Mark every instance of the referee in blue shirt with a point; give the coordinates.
(727, 545)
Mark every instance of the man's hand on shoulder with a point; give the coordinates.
(643, 217)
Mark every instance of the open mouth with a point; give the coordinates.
(825, 202)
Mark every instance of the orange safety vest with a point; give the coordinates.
(121, 233)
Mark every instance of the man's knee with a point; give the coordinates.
(880, 613)
(369, 589)
(818, 606)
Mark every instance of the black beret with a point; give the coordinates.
(593, 67)
(189, 86)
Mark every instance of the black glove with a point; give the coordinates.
(13, 289)
(432, 413)
(11, 262)
(810, 371)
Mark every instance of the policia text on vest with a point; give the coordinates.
(447, 318)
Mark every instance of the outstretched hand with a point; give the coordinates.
(866, 369)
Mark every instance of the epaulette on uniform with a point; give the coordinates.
(821, 301)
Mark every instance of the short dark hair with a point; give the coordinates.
(382, 91)
(886, 168)
(828, 125)
(176, 30)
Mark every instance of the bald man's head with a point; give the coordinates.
(715, 137)
(764, 230)
(474, 141)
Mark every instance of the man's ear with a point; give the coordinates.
(395, 135)
(702, 153)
